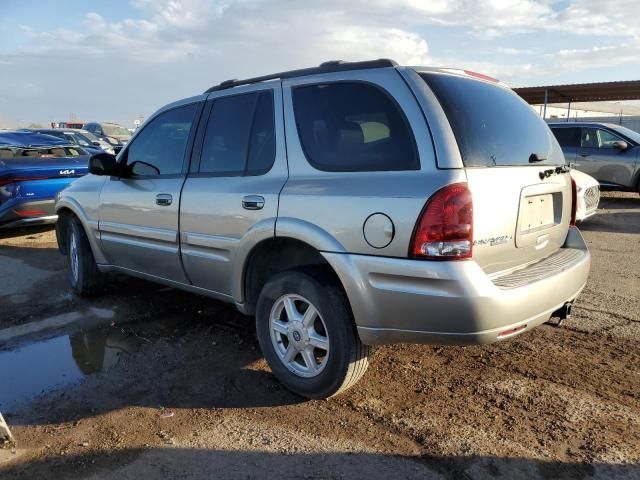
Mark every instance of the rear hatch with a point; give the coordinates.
(521, 192)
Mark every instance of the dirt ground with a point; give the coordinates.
(190, 396)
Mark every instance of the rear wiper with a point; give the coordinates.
(537, 157)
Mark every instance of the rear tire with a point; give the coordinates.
(86, 280)
(317, 353)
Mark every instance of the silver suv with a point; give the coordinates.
(609, 153)
(345, 206)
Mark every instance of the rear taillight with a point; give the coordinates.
(574, 202)
(8, 180)
(29, 213)
(481, 76)
(444, 230)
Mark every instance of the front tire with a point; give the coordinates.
(86, 280)
(308, 337)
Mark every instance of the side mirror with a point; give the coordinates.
(104, 164)
(620, 145)
(96, 144)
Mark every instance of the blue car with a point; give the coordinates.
(33, 169)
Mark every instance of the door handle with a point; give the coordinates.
(164, 199)
(584, 155)
(253, 202)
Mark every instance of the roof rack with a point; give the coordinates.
(325, 67)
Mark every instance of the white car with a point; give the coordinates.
(588, 190)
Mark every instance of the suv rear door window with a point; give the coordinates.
(353, 126)
(567, 137)
(240, 135)
(492, 125)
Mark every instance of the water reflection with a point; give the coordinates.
(52, 364)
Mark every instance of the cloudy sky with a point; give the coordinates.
(113, 60)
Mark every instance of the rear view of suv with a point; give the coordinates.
(345, 206)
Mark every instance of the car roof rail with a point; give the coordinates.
(325, 67)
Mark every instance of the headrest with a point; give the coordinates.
(58, 152)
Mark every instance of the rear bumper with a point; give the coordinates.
(27, 213)
(397, 300)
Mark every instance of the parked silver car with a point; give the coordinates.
(609, 153)
(344, 206)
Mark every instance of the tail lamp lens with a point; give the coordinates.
(445, 227)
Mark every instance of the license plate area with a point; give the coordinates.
(537, 213)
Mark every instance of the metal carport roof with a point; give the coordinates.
(581, 92)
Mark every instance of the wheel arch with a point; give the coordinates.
(65, 209)
(275, 255)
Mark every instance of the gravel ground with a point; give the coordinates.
(195, 399)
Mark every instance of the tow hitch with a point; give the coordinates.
(560, 315)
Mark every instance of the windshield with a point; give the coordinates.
(627, 132)
(88, 135)
(115, 130)
(492, 125)
(80, 139)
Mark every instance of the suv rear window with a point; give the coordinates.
(353, 126)
(492, 125)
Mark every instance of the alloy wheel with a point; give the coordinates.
(299, 335)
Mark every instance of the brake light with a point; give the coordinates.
(481, 76)
(445, 227)
(574, 202)
(29, 213)
(8, 180)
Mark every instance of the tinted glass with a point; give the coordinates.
(567, 137)
(226, 139)
(588, 138)
(162, 143)
(262, 143)
(353, 126)
(492, 125)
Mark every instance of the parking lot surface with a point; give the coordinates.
(145, 381)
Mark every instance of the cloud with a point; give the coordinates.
(174, 48)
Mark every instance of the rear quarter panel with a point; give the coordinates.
(339, 203)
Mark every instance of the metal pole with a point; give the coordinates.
(544, 110)
(568, 110)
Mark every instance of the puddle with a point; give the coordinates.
(41, 367)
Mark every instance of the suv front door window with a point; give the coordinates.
(139, 213)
